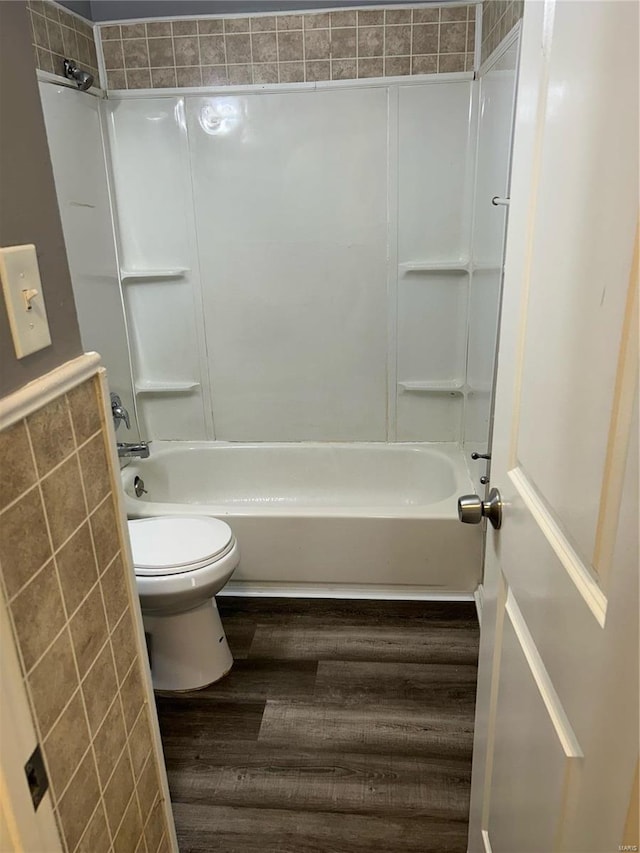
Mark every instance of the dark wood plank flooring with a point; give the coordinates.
(344, 727)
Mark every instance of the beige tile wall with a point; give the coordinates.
(286, 48)
(62, 574)
(57, 35)
(498, 18)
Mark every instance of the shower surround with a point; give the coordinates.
(292, 263)
(295, 264)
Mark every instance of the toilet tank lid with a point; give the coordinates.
(171, 541)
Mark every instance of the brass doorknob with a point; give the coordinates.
(472, 509)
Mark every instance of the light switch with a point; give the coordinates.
(23, 296)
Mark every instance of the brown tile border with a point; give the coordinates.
(58, 34)
(267, 49)
(498, 18)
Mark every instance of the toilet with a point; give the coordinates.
(180, 563)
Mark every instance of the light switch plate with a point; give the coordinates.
(23, 296)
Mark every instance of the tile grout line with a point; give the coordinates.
(278, 53)
(251, 62)
(384, 38)
(63, 544)
(156, 799)
(120, 682)
(226, 55)
(173, 53)
(304, 50)
(129, 801)
(66, 787)
(57, 719)
(91, 817)
(413, 23)
(99, 576)
(149, 757)
(40, 477)
(38, 660)
(357, 32)
(197, 37)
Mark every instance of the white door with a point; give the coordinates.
(556, 744)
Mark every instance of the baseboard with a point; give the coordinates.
(362, 591)
(478, 596)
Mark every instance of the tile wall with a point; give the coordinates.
(498, 18)
(289, 48)
(62, 573)
(58, 35)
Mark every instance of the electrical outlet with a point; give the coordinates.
(37, 778)
(23, 296)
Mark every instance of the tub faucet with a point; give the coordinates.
(126, 449)
(119, 412)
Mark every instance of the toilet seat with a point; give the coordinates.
(171, 544)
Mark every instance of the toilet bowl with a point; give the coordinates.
(180, 563)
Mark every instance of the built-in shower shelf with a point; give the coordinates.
(153, 275)
(434, 266)
(166, 387)
(480, 388)
(431, 387)
(487, 268)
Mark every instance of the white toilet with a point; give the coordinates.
(181, 562)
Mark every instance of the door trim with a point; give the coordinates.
(555, 709)
(569, 558)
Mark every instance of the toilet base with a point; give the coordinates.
(187, 650)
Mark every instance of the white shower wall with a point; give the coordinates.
(497, 92)
(75, 138)
(159, 265)
(295, 263)
(435, 178)
(290, 194)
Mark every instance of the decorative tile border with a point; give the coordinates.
(498, 18)
(58, 34)
(289, 48)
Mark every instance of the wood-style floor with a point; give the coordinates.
(344, 727)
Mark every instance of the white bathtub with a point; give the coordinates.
(323, 519)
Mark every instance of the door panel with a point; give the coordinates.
(535, 733)
(570, 380)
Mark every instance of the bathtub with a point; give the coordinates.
(323, 519)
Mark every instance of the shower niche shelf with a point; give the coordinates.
(166, 387)
(434, 267)
(153, 275)
(487, 268)
(438, 387)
